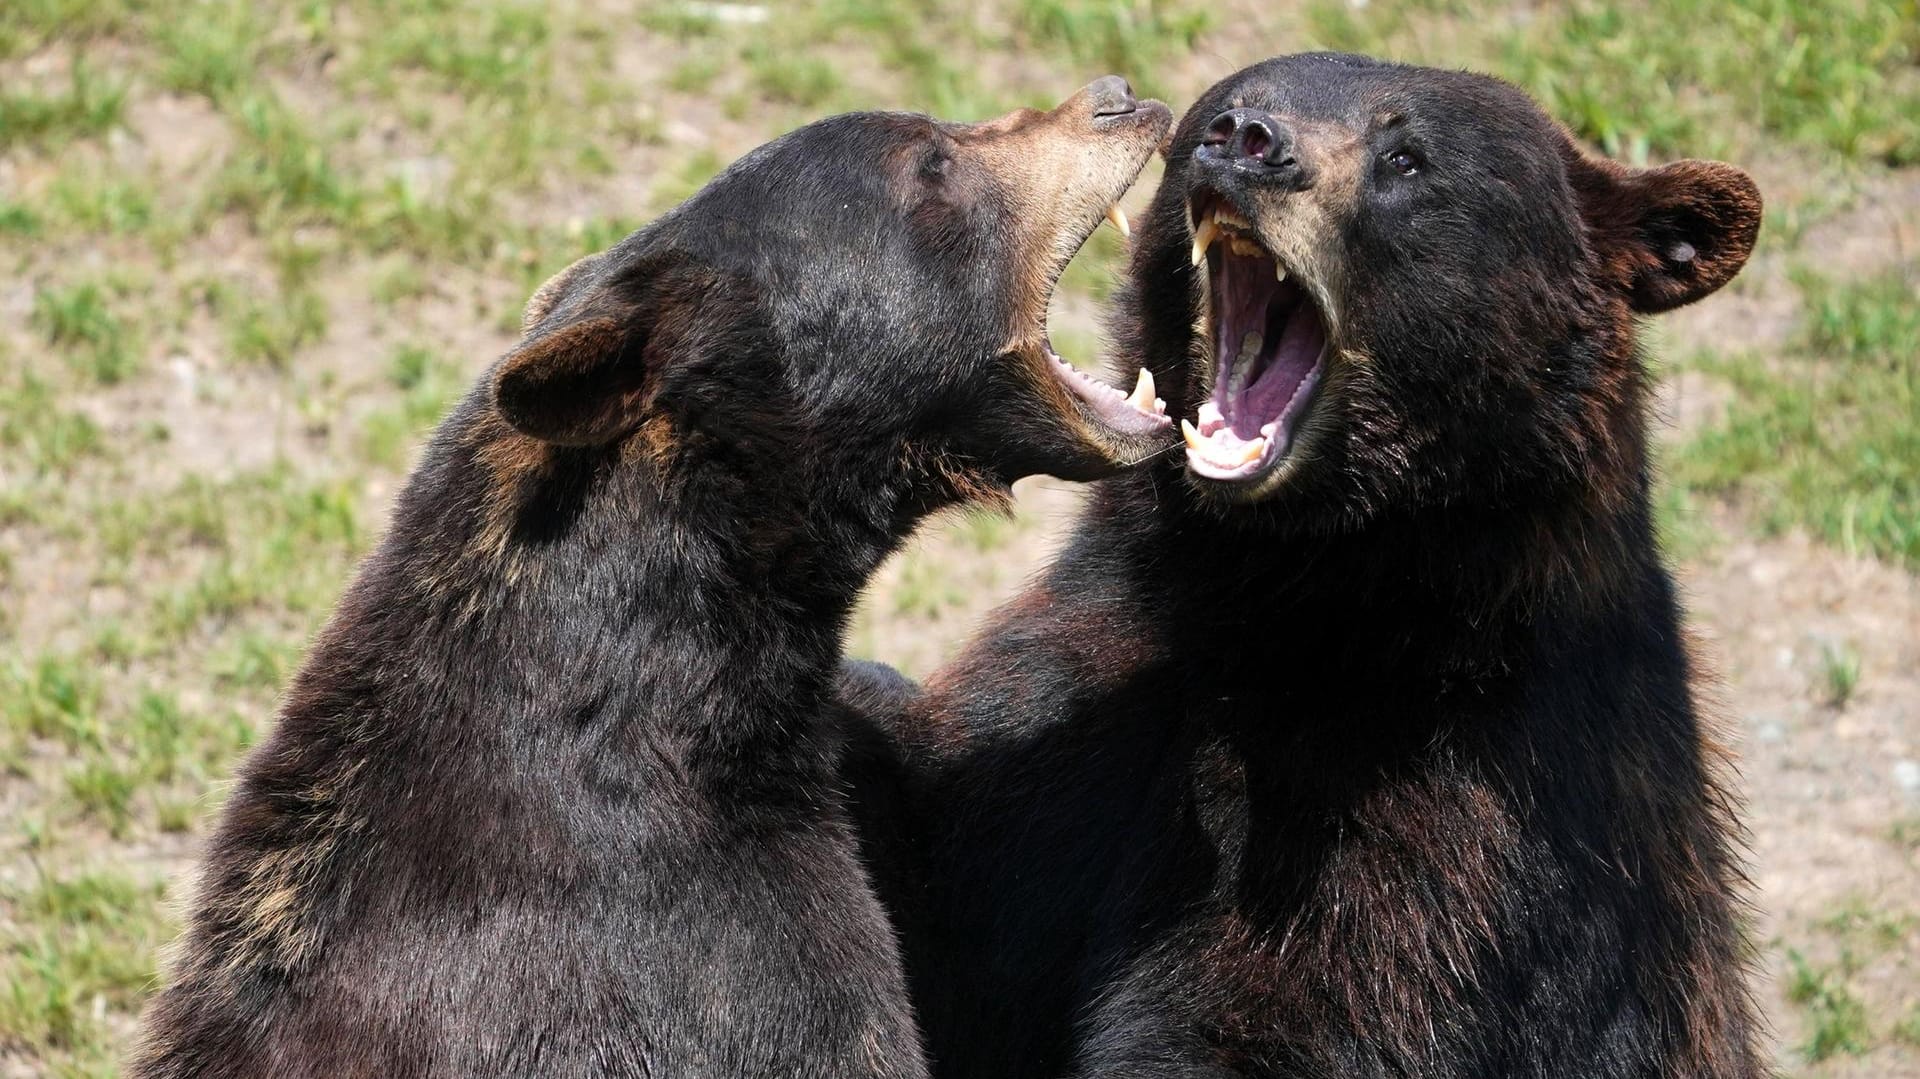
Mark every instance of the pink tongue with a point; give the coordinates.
(1300, 343)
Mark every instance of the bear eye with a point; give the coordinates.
(1404, 161)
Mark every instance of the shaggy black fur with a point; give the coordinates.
(553, 794)
(1391, 762)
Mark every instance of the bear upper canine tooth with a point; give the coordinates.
(1203, 236)
(1118, 218)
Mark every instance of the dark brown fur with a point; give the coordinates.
(1389, 763)
(556, 791)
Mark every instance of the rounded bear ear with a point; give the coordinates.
(575, 384)
(1669, 235)
(596, 333)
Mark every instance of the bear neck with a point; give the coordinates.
(700, 616)
(1460, 587)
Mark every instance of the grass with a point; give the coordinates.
(53, 697)
(1839, 673)
(87, 201)
(271, 329)
(18, 219)
(427, 387)
(79, 320)
(1837, 1019)
(1907, 1030)
(1683, 76)
(1129, 37)
(1905, 834)
(281, 174)
(34, 423)
(86, 106)
(26, 25)
(83, 944)
(924, 589)
(780, 76)
(212, 47)
(694, 172)
(499, 51)
(1827, 438)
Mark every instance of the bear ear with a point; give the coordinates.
(581, 374)
(1668, 235)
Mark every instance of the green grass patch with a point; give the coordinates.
(91, 199)
(925, 589)
(79, 320)
(270, 330)
(427, 387)
(48, 437)
(1907, 1030)
(1827, 437)
(690, 176)
(280, 174)
(52, 697)
(211, 47)
(500, 51)
(262, 543)
(26, 25)
(987, 531)
(87, 105)
(1839, 673)
(1679, 77)
(78, 946)
(1905, 834)
(1836, 1017)
(1097, 267)
(18, 219)
(779, 74)
(1129, 37)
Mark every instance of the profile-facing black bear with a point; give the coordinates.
(1367, 743)
(554, 794)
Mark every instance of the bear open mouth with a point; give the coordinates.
(1269, 341)
(1141, 412)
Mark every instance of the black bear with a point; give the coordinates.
(555, 794)
(1365, 741)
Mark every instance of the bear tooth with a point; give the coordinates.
(1191, 434)
(1252, 451)
(1142, 398)
(1203, 237)
(1250, 343)
(1118, 218)
(1228, 217)
(1279, 271)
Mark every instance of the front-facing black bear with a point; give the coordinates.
(554, 794)
(1363, 742)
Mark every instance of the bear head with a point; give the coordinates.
(867, 293)
(1390, 287)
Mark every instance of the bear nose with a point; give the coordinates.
(1251, 136)
(1111, 96)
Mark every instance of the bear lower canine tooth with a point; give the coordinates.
(1142, 398)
